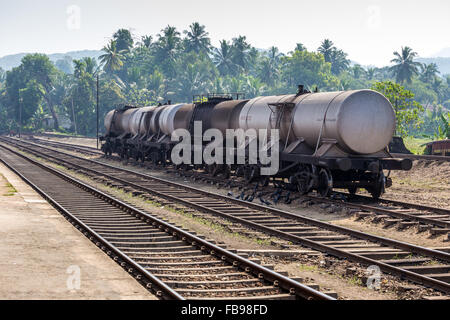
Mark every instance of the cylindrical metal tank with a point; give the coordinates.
(154, 121)
(108, 122)
(118, 122)
(225, 115)
(257, 114)
(140, 121)
(361, 121)
(166, 120)
(183, 117)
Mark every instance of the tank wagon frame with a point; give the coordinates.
(327, 140)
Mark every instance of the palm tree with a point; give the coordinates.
(358, 71)
(124, 40)
(436, 85)
(429, 72)
(79, 68)
(112, 60)
(326, 48)
(147, 41)
(371, 73)
(90, 65)
(405, 67)
(240, 50)
(300, 47)
(197, 39)
(168, 42)
(223, 58)
(268, 71)
(274, 55)
(167, 47)
(339, 61)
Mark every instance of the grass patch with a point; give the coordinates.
(355, 281)
(305, 267)
(10, 190)
(416, 145)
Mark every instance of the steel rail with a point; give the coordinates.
(435, 254)
(262, 272)
(420, 157)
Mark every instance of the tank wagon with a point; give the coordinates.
(326, 140)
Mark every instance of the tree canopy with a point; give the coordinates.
(177, 64)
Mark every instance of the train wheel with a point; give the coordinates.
(379, 187)
(154, 157)
(325, 183)
(353, 190)
(302, 181)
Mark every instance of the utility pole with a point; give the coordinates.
(97, 111)
(74, 121)
(20, 116)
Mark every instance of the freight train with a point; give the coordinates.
(326, 140)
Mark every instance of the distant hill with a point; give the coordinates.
(445, 53)
(442, 63)
(12, 61)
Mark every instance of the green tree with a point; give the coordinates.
(124, 40)
(197, 39)
(407, 110)
(405, 67)
(300, 47)
(326, 49)
(309, 69)
(339, 61)
(112, 59)
(167, 49)
(429, 72)
(240, 52)
(37, 74)
(147, 41)
(223, 58)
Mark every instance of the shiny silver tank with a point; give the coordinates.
(257, 114)
(140, 121)
(361, 121)
(167, 117)
(154, 121)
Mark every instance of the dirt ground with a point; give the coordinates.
(428, 183)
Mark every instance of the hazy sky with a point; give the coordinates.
(368, 30)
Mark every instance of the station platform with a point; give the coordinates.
(42, 256)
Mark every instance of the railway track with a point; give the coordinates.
(390, 212)
(173, 263)
(420, 157)
(68, 146)
(429, 267)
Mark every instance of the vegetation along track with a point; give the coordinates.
(174, 263)
(421, 265)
